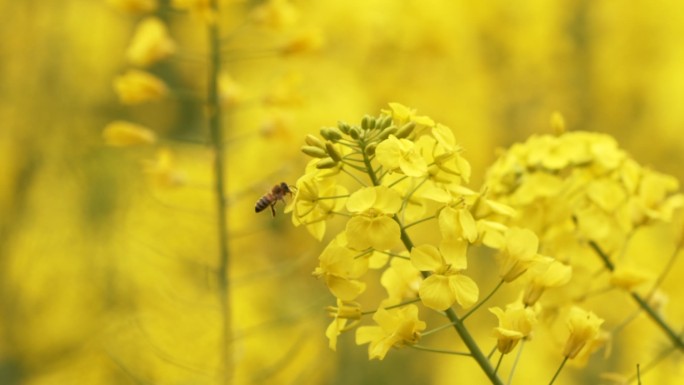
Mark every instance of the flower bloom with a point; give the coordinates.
(396, 328)
(343, 312)
(137, 86)
(315, 201)
(340, 267)
(518, 251)
(401, 280)
(401, 154)
(446, 284)
(124, 134)
(545, 273)
(150, 43)
(515, 323)
(584, 329)
(372, 225)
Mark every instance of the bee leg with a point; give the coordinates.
(273, 209)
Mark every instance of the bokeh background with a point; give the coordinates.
(106, 275)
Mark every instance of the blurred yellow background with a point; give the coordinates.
(107, 277)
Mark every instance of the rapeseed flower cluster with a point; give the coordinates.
(391, 180)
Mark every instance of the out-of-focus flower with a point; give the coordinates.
(396, 328)
(627, 278)
(137, 86)
(163, 171)
(446, 284)
(275, 14)
(584, 329)
(200, 9)
(343, 312)
(372, 224)
(124, 134)
(230, 91)
(515, 323)
(305, 41)
(151, 43)
(340, 267)
(135, 6)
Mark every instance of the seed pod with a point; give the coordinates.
(331, 133)
(314, 151)
(326, 163)
(370, 149)
(313, 141)
(405, 130)
(332, 152)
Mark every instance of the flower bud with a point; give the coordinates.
(332, 152)
(384, 134)
(331, 133)
(355, 133)
(314, 151)
(383, 122)
(370, 149)
(366, 122)
(326, 163)
(405, 130)
(313, 141)
(344, 127)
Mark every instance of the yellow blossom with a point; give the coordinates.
(150, 43)
(340, 267)
(124, 134)
(343, 312)
(401, 280)
(545, 273)
(372, 224)
(316, 199)
(584, 328)
(396, 328)
(402, 114)
(134, 6)
(163, 171)
(627, 278)
(400, 155)
(305, 41)
(137, 86)
(518, 251)
(446, 284)
(515, 323)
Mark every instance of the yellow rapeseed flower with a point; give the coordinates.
(515, 323)
(340, 268)
(401, 155)
(151, 43)
(135, 86)
(584, 328)
(372, 224)
(396, 328)
(124, 134)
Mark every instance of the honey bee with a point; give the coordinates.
(272, 197)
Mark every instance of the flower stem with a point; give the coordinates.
(558, 371)
(471, 311)
(643, 304)
(460, 328)
(442, 351)
(216, 133)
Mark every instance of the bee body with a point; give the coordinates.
(272, 197)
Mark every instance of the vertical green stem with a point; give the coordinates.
(215, 130)
(558, 371)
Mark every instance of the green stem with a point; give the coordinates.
(471, 311)
(442, 351)
(643, 304)
(558, 371)
(215, 130)
(460, 328)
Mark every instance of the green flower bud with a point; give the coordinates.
(370, 149)
(332, 152)
(384, 134)
(405, 130)
(383, 122)
(355, 133)
(331, 133)
(344, 127)
(314, 151)
(313, 141)
(367, 123)
(326, 163)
